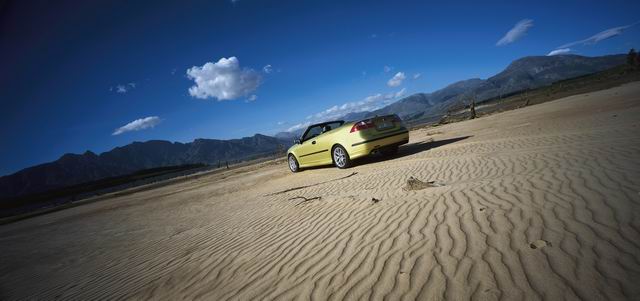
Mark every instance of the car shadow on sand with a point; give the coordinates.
(408, 150)
(403, 151)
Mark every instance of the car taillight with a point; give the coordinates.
(362, 125)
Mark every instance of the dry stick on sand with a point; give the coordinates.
(306, 186)
(305, 199)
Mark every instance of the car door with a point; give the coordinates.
(311, 152)
(326, 140)
(323, 149)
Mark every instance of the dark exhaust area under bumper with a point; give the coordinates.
(378, 148)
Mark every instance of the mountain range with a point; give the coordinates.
(526, 73)
(70, 169)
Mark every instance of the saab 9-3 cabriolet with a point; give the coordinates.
(339, 142)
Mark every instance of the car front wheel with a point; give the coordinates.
(341, 157)
(293, 163)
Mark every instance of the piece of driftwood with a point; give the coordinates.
(307, 186)
(415, 184)
(539, 244)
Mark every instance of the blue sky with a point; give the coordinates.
(92, 76)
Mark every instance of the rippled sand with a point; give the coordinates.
(537, 203)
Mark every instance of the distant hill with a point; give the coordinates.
(525, 73)
(289, 136)
(72, 169)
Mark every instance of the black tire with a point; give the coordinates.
(390, 151)
(340, 157)
(293, 163)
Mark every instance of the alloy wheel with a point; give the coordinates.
(339, 157)
(293, 165)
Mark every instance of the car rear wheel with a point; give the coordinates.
(341, 157)
(293, 163)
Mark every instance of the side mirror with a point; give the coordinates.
(296, 141)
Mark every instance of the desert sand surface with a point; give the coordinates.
(542, 202)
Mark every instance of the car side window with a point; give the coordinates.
(320, 129)
(312, 132)
(331, 126)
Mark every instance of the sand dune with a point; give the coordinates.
(537, 203)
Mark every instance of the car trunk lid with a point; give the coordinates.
(378, 125)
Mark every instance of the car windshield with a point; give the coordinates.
(319, 129)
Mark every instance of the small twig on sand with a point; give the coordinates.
(305, 199)
(374, 200)
(307, 186)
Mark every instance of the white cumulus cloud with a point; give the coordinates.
(559, 51)
(138, 124)
(396, 80)
(223, 80)
(519, 30)
(603, 35)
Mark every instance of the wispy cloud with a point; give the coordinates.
(299, 126)
(223, 80)
(400, 93)
(417, 75)
(123, 88)
(252, 98)
(138, 124)
(518, 31)
(267, 69)
(369, 103)
(387, 69)
(396, 80)
(559, 51)
(601, 36)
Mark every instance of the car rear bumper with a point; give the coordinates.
(366, 147)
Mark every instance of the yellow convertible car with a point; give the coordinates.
(338, 143)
